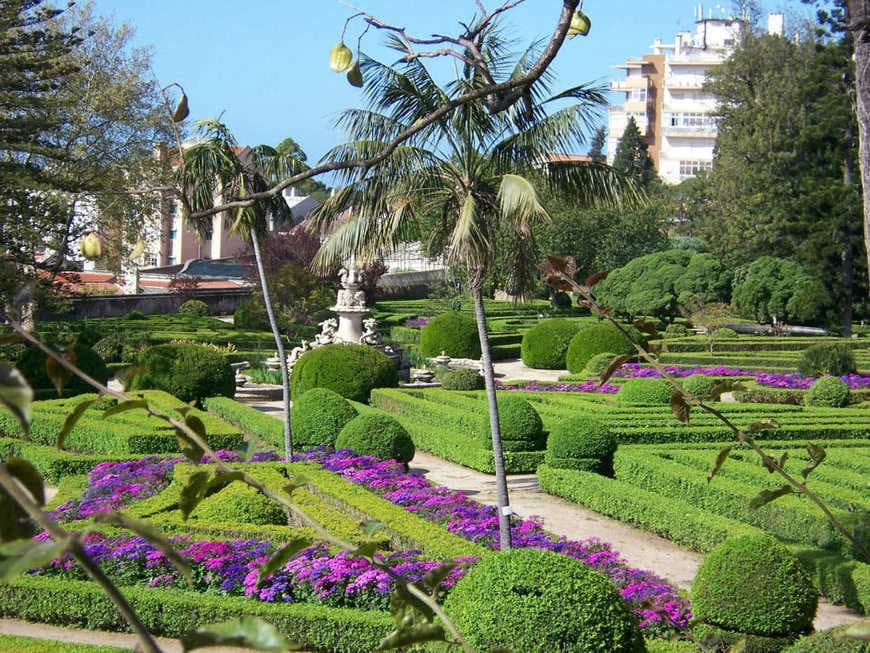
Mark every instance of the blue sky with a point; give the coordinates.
(263, 64)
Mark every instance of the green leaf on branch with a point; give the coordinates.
(124, 406)
(30, 478)
(766, 496)
(860, 631)
(129, 373)
(592, 279)
(190, 448)
(182, 110)
(724, 386)
(71, 420)
(817, 457)
(14, 521)
(250, 632)
(613, 366)
(680, 407)
(366, 550)
(193, 493)
(415, 634)
(406, 608)
(645, 327)
(434, 577)
(762, 425)
(152, 535)
(20, 556)
(721, 457)
(371, 527)
(281, 558)
(16, 395)
(298, 481)
(57, 373)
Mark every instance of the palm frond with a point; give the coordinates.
(518, 203)
(596, 185)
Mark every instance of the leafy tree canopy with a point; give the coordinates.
(774, 287)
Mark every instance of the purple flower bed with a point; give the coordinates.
(417, 321)
(230, 567)
(795, 381)
(314, 575)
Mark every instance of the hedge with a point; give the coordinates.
(172, 613)
(349, 370)
(17, 644)
(453, 333)
(545, 345)
(250, 420)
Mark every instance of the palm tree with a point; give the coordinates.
(217, 169)
(473, 171)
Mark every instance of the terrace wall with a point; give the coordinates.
(220, 302)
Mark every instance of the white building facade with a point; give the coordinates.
(665, 96)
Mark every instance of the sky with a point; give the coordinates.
(262, 65)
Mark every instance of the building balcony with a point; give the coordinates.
(629, 83)
(694, 131)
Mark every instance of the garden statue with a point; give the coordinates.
(327, 333)
(371, 335)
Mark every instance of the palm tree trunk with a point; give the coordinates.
(273, 323)
(504, 509)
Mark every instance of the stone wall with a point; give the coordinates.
(220, 302)
(408, 285)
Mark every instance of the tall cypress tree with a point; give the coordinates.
(632, 155)
(596, 147)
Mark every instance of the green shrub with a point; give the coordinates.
(134, 315)
(318, 417)
(521, 426)
(251, 315)
(376, 435)
(189, 372)
(603, 337)
(194, 307)
(711, 638)
(828, 641)
(240, 504)
(462, 379)
(453, 333)
(778, 601)
(598, 363)
(545, 345)
(828, 391)
(111, 348)
(699, 384)
(540, 602)
(21, 644)
(350, 370)
(561, 300)
(32, 365)
(645, 391)
(723, 333)
(676, 331)
(583, 443)
(835, 359)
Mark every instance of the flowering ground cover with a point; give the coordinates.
(320, 575)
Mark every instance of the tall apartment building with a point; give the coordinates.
(664, 94)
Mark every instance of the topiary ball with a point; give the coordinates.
(582, 443)
(194, 308)
(828, 641)
(31, 364)
(699, 385)
(539, 602)
(349, 370)
(462, 379)
(649, 392)
(828, 391)
(723, 333)
(375, 435)
(187, 371)
(521, 425)
(676, 331)
(835, 359)
(598, 363)
(545, 345)
(597, 339)
(453, 333)
(318, 416)
(753, 584)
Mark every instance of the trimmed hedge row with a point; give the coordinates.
(17, 644)
(250, 420)
(52, 464)
(172, 613)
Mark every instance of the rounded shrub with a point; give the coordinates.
(318, 417)
(539, 602)
(598, 363)
(545, 345)
(699, 385)
(597, 339)
(462, 379)
(349, 370)
(193, 307)
(239, 504)
(187, 371)
(375, 435)
(828, 641)
(724, 333)
(521, 426)
(828, 391)
(111, 348)
(645, 391)
(753, 584)
(676, 331)
(134, 315)
(31, 364)
(835, 359)
(561, 300)
(453, 333)
(582, 443)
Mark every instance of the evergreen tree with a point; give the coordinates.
(596, 148)
(632, 156)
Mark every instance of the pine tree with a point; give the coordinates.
(632, 156)
(596, 148)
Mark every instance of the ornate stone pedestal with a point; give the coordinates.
(350, 306)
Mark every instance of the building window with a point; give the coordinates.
(207, 234)
(173, 234)
(151, 261)
(171, 261)
(173, 208)
(692, 168)
(637, 95)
